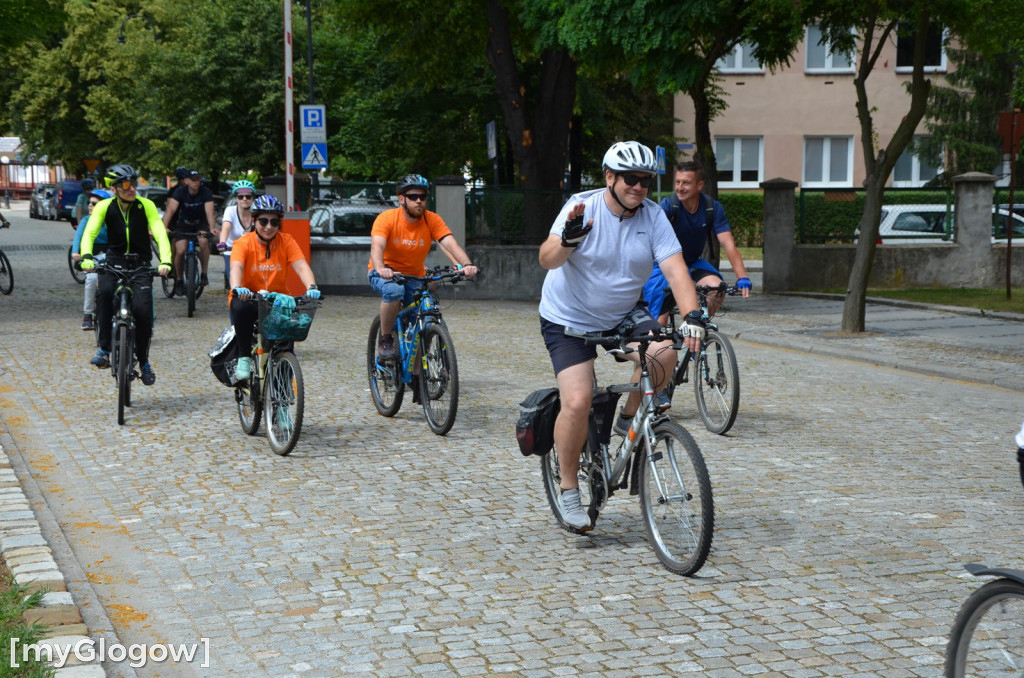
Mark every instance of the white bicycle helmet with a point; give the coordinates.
(630, 156)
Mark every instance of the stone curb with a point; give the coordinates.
(31, 562)
(882, 301)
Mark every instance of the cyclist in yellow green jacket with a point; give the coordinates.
(130, 221)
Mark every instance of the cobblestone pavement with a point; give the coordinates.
(847, 498)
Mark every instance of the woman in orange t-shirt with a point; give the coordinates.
(399, 243)
(260, 261)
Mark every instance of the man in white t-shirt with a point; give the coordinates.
(599, 253)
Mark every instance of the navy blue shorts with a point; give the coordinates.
(566, 351)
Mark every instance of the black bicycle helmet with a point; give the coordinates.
(412, 181)
(119, 173)
(181, 172)
(88, 185)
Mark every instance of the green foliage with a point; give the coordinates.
(963, 117)
(745, 212)
(14, 602)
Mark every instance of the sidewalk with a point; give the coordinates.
(955, 343)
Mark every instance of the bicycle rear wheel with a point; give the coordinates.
(191, 278)
(384, 376)
(77, 275)
(6, 274)
(716, 383)
(988, 635)
(285, 401)
(439, 378)
(591, 483)
(675, 497)
(122, 362)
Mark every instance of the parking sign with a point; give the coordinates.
(313, 123)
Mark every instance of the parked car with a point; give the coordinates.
(344, 222)
(67, 197)
(917, 224)
(42, 203)
(158, 194)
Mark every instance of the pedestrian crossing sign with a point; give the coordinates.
(314, 156)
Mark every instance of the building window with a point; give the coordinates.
(912, 170)
(739, 160)
(828, 161)
(740, 60)
(819, 57)
(935, 53)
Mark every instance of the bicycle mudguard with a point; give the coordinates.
(980, 570)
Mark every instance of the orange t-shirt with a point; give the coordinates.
(408, 244)
(264, 272)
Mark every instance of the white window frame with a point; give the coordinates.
(827, 182)
(915, 180)
(736, 56)
(737, 155)
(940, 68)
(828, 67)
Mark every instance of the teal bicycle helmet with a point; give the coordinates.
(412, 181)
(242, 183)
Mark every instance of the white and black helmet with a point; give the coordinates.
(630, 156)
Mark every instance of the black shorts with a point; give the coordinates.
(566, 351)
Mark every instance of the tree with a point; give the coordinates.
(963, 117)
(201, 88)
(677, 48)
(877, 22)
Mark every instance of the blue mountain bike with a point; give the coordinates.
(426, 361)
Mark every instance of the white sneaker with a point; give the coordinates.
(572, 510)
(243, 370)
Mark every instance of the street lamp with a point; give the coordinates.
(149, 22)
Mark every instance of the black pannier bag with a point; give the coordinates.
(224, 357)
(535, 429)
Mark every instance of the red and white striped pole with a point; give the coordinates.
(289, 121)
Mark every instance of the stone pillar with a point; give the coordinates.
(450, 194)
(779, 221)
(972, 209)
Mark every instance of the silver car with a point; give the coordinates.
(43, 202)
(345, 222)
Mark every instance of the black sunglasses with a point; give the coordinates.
(267, 221)
(633, 179)
(416, 197)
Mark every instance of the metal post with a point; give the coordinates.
(289, 113)
(314, 174)
(1015, 146)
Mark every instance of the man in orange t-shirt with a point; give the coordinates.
(260, 260)
(400, 242)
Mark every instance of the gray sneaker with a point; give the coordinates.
(622, 424)
(572, 510)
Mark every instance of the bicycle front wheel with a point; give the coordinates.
(988, 634)
(250, 406)
(285, 400)
(6, 274)
(385, 376)
(675, 497)
(77, 275)
(191, 278)
(439, 378)
(717, 383)
(123, 364)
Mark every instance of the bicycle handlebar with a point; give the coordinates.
(439, 273)
(123, 270)
(190, 234)
(722, 287)
(301, 300)
(623, 340)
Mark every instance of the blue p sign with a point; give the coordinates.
(313, 118)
